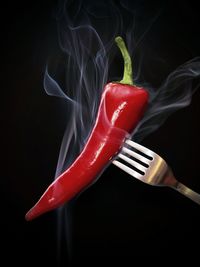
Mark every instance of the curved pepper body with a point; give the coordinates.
(121, 107)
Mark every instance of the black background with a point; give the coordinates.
(118, 219)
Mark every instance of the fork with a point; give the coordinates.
(147, 166)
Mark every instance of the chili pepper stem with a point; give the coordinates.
(127, 77)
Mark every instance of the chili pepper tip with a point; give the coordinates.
(28, 216)
(32, 214)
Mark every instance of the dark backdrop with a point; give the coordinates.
(118, 219)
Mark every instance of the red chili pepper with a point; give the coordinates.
(122, 106)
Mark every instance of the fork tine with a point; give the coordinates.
(127, 169)
(141, 148)
(135, 155)
(132, 162)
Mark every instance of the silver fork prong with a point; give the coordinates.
(132, 162)
(135, 155)
(127, 169)
(141, 148)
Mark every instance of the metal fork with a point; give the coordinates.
(147, 166)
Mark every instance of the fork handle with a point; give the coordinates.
(187, 192)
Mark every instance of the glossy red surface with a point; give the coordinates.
(121, 108)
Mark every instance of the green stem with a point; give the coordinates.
(127, 77)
